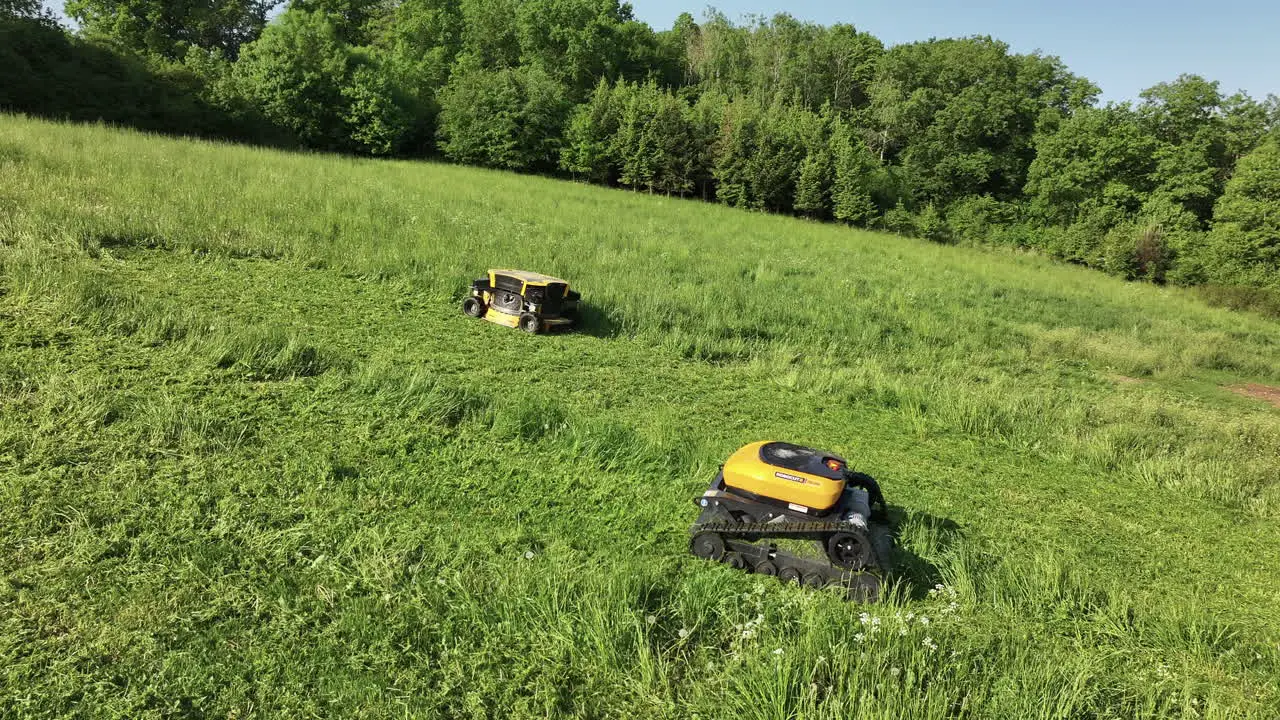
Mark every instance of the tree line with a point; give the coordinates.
(955, 140)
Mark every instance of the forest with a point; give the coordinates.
(956, 140)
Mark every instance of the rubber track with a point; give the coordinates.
(861, 585)
(796, 530)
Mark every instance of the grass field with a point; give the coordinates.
(254, 462)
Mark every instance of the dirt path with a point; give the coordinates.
(1255, 390)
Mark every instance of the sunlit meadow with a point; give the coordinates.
(254, 461)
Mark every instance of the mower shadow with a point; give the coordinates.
(595, 321)
(917, 574)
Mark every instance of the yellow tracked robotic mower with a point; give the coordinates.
(768, 492)
(518, 298)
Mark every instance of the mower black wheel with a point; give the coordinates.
(473, 307)
(848, 550)
(530, 323)
(735, 561)
(766, 567)
(813, 580)
(789, 575)
(707, 545)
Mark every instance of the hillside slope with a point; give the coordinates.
(255, 462)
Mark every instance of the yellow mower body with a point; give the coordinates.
(768, 492)
(787, 473)
(518, 298)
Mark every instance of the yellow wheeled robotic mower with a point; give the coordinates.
(517, 298)
(773, 491)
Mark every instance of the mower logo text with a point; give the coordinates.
(792, 478)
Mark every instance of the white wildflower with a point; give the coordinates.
(894, 672)
(684, 633)
(778, 651)
(929, 643)
(528, 554)
(651, 619)
(924, 619)
(859, 637)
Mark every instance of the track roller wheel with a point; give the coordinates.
(766, 567)
(530, 323)
(789, 575)
(707, 545)
(473, 307)
(848, 550)
(735, 561)
(813, 580)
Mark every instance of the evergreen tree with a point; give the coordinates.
(774, 167)
(704, 119)
(813, 184)
(854, 166)
(930, 225)
(670, 138)
(735, 150)
(898, 220)
(631, 144)
(589, 137)
(813, 189)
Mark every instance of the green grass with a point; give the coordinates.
(254, 461)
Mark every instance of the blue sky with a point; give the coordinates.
(1121, 46)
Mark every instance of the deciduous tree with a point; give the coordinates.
(167, 29)
(1245, 242)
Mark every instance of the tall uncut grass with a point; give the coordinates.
(255, 462)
